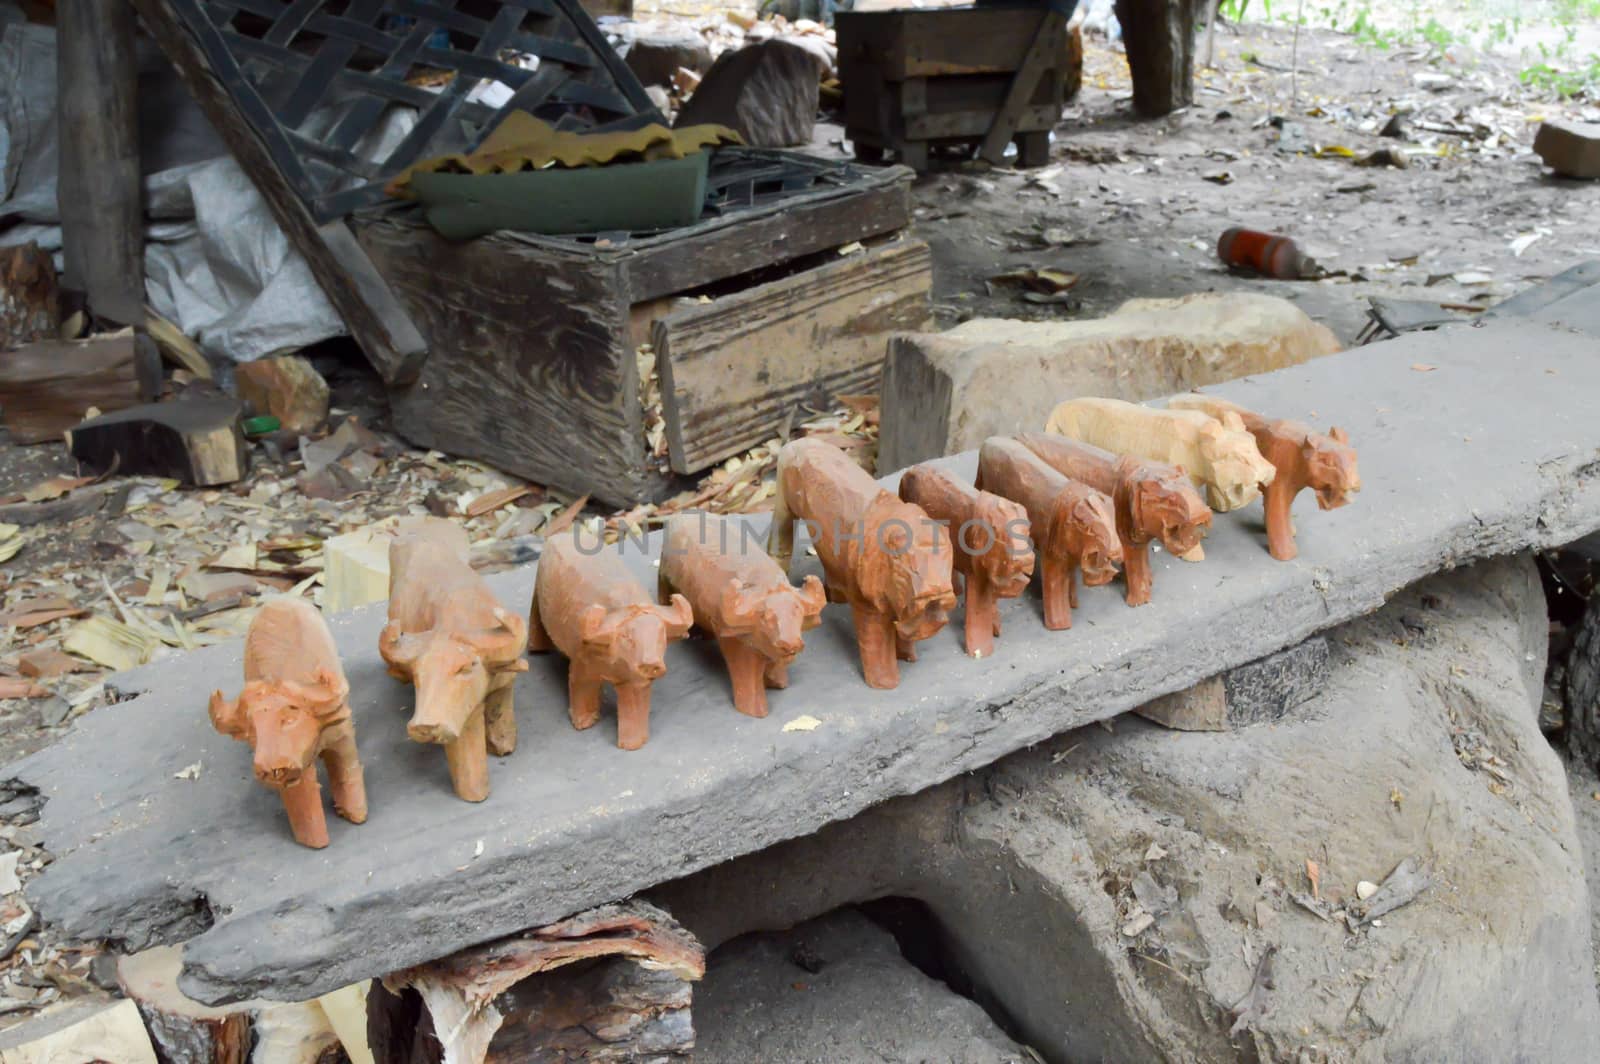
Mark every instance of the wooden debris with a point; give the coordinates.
(635, 1001)
(355, 569)
(47, 663)
(198, 441)
(29, 301)
(20, 687)
(53, 511)
(93, 1031)
(10, 541)
(288, 388)
(1203, 707)
(46, 387)
(111, 643)
(182, 1028)
(34, 612)
(491, 501)
(176, 346)
(563, 520)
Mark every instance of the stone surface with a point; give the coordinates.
(946, 392)
(1487, 454)
(288, 387)
(1266, 690)
(857, 1001)
(655, 59)
(768, 92)
(1571, 149)
(1036, 869)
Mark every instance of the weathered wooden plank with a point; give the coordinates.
(733, 370)
(99, 192)
(751, 241)
(388, 342)
(974, 123)
(1049, 44)
(531, 367)
(937, 43)
(46, 387)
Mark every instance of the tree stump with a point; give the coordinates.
(1159, 38)
(608, 984)
(30, 306)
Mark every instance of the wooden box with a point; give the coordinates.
(532, 340)
(915, 79)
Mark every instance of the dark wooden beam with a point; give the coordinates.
(1159, 37)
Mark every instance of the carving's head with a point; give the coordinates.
(999, 537)
(917, 557)
(775, 619)
(1238, 469)
(1166, 506)
(282, 720)
(1331, 469)
(451, 671)
(1091, 532)
(629, 643)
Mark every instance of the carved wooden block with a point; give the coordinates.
(993, 552)
(1152, 500)
(1220, 455)
(589, 606)
(888, 559)
(1074, 526)
(293, 710)
(449, 637)
(1302, 458)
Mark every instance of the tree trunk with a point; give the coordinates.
(1159, 38)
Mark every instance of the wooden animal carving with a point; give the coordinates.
(589, 606)
(888, 559)
(1074, 525)
(743, 598)
(1302, 457)
(993, 552)
(293, 710)
(1152, 500)
(1221, 456)
(450, 638)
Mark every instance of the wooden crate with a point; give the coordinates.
(915, 79)
(532, 339)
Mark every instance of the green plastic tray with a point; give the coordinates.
(593, 199)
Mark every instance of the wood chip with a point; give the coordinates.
(491, 501)
(20, 687)
(110, 643)
(563, 520)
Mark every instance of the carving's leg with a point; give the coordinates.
(1136, 571)
(303, 802)
(633, 715)
(1056, 586)
(776, 675)
(780, 537)
(468, 758)
(905, 649)
(983, 616)
(745, 668)
(875, 639)
(538, 639)
(1072, 583)
(344, 773)
(499, 719)
(583, 698)
(1280, 529)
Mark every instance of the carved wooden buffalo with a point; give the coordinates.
(1074, 526)
(450, 637)
(888, 559)
(293, 709)
(741, 596)
(1303, 458)
(1152, 500)
(589, 606)
(993, 553)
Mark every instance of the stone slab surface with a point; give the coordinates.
(1265, 690)
(1494, 450)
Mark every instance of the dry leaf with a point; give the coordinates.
(1314, 874)
(1423, 367)
(54, 488)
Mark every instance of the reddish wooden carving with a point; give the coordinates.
(450, 637)
(741, 596)
(589, 606)
(1074, 526)
(1152, 500)
(993, 553)
(294, 709)
(1303, 457)
(888, 559)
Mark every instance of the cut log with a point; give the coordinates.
(180, 1027)
(29, 302)
(1159, 38)
(45, 388)
(355, 569)
(198, 441)
(608, 984)
(92, 1031)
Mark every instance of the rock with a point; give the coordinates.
(768, 92)
(654, 60)
(854, 1000)
(1267, 689)
(288, 388)
(1571, 149)
(947, 392)
(1491, 961)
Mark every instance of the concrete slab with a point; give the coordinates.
(1494, 449)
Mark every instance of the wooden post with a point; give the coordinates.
(1044, 53)
(99, 191)
(1159, 38)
